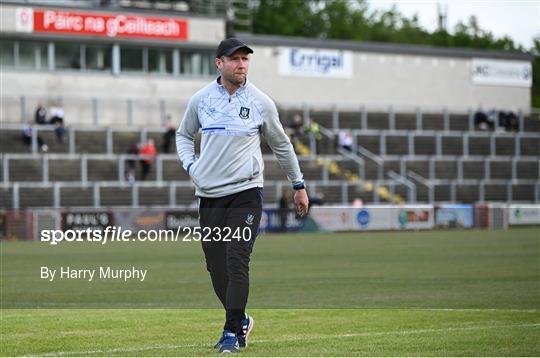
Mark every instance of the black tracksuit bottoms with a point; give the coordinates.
(227, 258)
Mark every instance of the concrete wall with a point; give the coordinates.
(402, 81)
(87, 96)
(380, 80)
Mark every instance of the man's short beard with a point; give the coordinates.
(232, 79)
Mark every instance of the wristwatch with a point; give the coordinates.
(299, 186)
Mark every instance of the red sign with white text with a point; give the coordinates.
(109, 25)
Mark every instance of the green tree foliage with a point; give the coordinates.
(352, 20)
(536, 73)
(288, 18)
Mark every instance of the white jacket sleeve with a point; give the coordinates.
(279, 142)
(185, 135)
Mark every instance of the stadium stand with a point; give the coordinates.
(415, 157)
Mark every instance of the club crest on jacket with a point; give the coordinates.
(244, 113)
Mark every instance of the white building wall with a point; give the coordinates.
(379, 81)
(78, 93)
(382, 80)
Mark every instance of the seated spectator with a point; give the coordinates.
(508, 120)
(57, 120)
(131, 163)
(513, 122)
(297, 126)
(57, 114)
(149, 152)
(26, 136)
(345, 140)
(480, 120)
(60, 131)
(483, 120)
(41, 114)
(169, 135)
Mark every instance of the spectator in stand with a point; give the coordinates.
(483, 120)
(312, 128)
(57, 114)
(297, 125)
(59, 131)
(513, 122)
(149, 152)
(26, 136)
(358, 203)
(480, 120)
(284, 208)
(169, 135)
(41, 114)
(57, 120)
(131, 163)
(508, 120)
(345, 139)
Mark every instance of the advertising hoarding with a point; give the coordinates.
(310, 62)
(501, 73)
(523, 214)
(454, 216)
(91, 23)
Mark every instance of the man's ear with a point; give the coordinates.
(219, 63)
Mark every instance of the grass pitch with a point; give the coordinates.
(277, 332)
(436, 293)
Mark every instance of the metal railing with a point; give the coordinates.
(411, 195)
(425, 182)
(338, 188)
(95, 110)
(358, 160)
(417, 111)
(374, 158)
(120, 163)
(409, 135)
(344, 187)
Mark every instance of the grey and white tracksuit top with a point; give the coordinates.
(230, 160)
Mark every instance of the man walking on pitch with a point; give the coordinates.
(233, 114)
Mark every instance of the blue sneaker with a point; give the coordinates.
(247, 326)
(229, 343)
(220, 342)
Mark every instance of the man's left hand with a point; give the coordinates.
(301, 202)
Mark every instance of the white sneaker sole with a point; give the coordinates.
(250, 327)
(229, 352)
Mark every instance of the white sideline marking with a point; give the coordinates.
(290, 339)
(25, 315)
(473, 309)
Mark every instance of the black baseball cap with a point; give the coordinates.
(229, 46)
